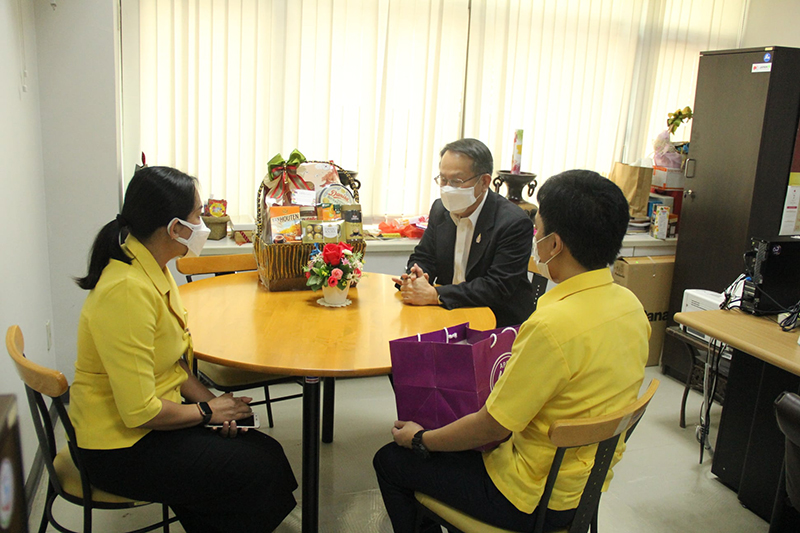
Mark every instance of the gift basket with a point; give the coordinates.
(301, 206)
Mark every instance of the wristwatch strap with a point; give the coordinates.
(206, 411)
(418, 446)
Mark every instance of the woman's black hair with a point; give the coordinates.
(155, 196)
(588, 212)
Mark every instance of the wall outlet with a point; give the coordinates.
(49, 335)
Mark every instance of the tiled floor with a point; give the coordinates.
(658, 487)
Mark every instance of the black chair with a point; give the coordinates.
(539, 283)
(786, 511)
(67, 478)
(602, 431)
(224, 378)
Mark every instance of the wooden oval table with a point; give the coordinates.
(236, 322)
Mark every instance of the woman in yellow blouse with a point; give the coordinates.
(136, 435)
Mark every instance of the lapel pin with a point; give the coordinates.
(478, 240)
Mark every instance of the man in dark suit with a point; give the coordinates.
(476, 249)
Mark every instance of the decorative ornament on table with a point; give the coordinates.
(334, 269)
(515, 180)
(215, 217)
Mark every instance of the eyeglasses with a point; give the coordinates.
(443, 182)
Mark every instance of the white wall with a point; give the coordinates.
(25, 266)
(772, 23)
(77, 53)
(59, 177)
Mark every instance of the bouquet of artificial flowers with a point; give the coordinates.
(335, 266)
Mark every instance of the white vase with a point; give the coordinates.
(335, 295)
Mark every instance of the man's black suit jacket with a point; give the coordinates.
(497, 268)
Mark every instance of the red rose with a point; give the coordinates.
(308, 275)
(345, 246)
(332, 254)
(332, 282)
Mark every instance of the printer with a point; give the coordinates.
(700, 300)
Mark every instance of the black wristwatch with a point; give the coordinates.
(206, 411)
(418, 447)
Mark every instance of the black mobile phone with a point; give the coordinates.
(251, 422)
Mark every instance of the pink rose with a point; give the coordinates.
(332, 282)
(337, 274)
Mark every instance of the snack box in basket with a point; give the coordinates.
(284, 224)
(243, 227)
(322, 231)
(351, 214)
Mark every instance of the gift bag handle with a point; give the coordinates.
(447, 335)
(494, 336)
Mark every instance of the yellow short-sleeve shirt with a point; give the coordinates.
(131, 337)
(581, 354)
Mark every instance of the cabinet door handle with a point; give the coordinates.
(688, 193)
(690, 165)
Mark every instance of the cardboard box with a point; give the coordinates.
(659, 222)
(650, 279)
(668, 178)
(659, 199)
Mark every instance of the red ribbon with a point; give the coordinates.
(288, 180)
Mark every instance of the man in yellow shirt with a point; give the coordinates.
(581, 354)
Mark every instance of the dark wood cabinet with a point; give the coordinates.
(743, 134)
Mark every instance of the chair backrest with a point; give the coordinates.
(605, 431)
(42, 381)
(787, 412)
(538, 282)
(215, 264)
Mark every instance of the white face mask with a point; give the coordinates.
(542, 267)
(197, 239)
(457, 199)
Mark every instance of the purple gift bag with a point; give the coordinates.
(443, 375)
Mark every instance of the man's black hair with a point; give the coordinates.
(482, 162)
(588, 212)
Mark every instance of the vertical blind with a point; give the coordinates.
(379, 86)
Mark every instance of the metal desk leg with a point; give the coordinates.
(310, 455)
(692, 358)
(328, 393)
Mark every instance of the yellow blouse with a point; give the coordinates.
(131, 336)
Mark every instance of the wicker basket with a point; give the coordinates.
(280, 266)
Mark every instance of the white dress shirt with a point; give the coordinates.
(465, 229)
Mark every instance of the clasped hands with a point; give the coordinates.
(227, 409)
(416, 288)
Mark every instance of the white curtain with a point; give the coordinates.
(379, 86)
(590, 82)
(374, 86)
